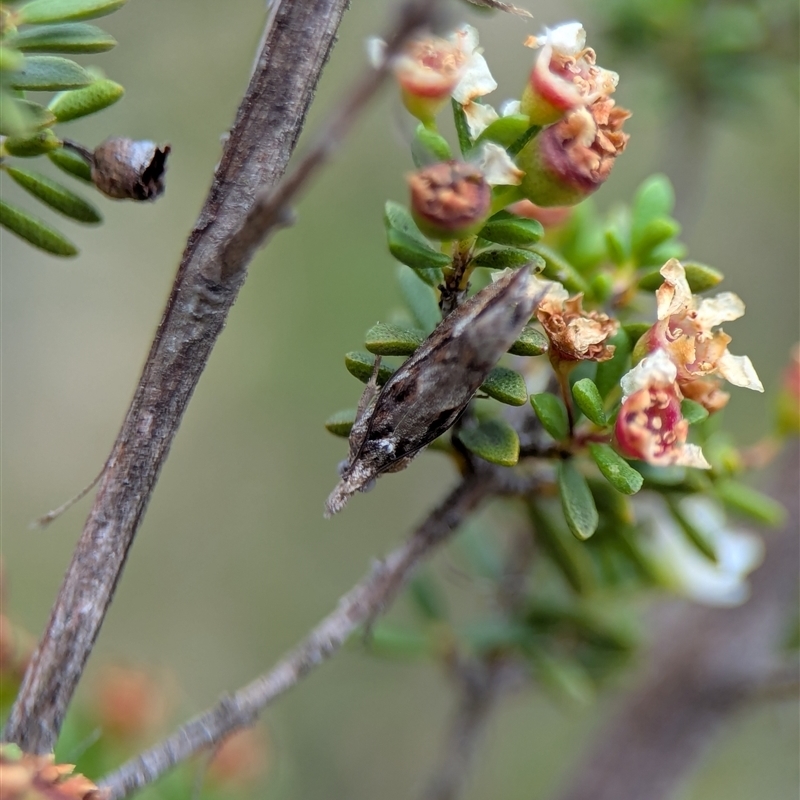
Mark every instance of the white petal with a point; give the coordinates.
(725, 307)
(654, 370)
(739, 371)
(476, 81)
(497, 166)
(510, 107)
(466, 37)
(376, 51)
(690, 455)
(568, 39)
(674, 296)
(479, 117)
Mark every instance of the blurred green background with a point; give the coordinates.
(234, 562)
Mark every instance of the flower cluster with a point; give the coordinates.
(686, 359)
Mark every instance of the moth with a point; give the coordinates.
(430, 391)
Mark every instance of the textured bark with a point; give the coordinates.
(295, 48)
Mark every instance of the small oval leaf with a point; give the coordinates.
(610, 372)
(700, 278)
(49, 74)
(360, 365)
(530, 343)
(493, 440)
(506, 130)
(751, 503)
(71, 163)
(43, 12)
(429, 147)
(505, 385)
(615, 469)
(29, 146)
(72, 38)
(407, 250)
(420, 299)
(390, 340)
(21, 117)
(552, 414)
(340, 423)
(82, 102)
(655, 233)
(34, 231)
(577, 502)
(507, 257)
(55, 195)
(10, 59)
(516, 231)
(693, 412)
(589, 401)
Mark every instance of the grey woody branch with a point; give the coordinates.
(295, 48)
(359, 607)
(705, 662)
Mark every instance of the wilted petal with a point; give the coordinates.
(497, 167)
(476, 81)
(655, 370)
(674, 296)
(690, 455)
(739, 371)
(568, 39)
(509, 108)
(479, 117)
(725, 307)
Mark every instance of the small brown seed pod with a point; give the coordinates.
(130, 170)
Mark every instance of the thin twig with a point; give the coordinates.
(295, 48)
(367, 600)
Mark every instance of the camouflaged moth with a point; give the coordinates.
(429, 392)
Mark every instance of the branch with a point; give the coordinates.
(704, 664)
(296, 45)
(367, 600)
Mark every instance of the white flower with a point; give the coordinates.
(497, 166)
(569, 39)
(688, 571)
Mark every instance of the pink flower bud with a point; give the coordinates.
(571, 159)
(450, 200)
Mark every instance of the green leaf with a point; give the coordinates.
(505, 258)
(530, 343)
(427, 598)
(10, 59)
(493, 440)
(563, 675)
(360, 364)
(577, 502)
(395, 642)
(29, 117)
(557, 268)
(397, 216)
(71, 163)
(493, 635)
(69, 38)
(515, 147)
(49, 74)
(609, 372)
(654, 198)
(552, 414)
(616, 246)
(414, 254)
(570, 557)
(699, 277)
(505, 385)
(655, 233)
(589, 401)
(693, 412)
(429, 147)
(636, 330)
(420, 299)
(340, 423)
(516, 231)
(44, 12)
(462, 128)
(751, 503)
(55, 195)
(615, 469)
(29, 146)
(696, 537)
(391, 340)
(34, 231)
(506, 130)
(82, 102)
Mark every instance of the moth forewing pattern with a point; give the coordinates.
(429, 392)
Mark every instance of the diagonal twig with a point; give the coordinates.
(368, 599)
(295, 48)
